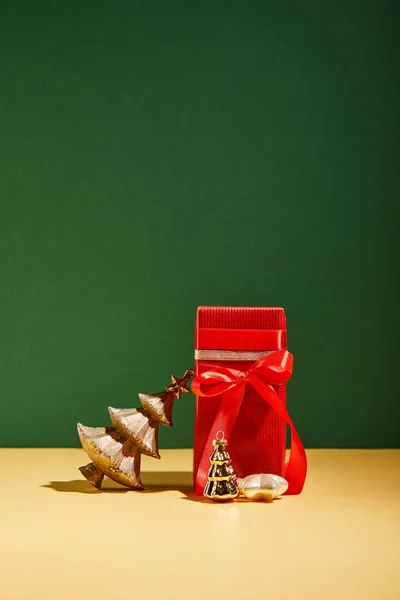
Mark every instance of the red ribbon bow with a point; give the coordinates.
(272, 369)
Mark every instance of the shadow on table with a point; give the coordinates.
(161, 481)
(154, 482)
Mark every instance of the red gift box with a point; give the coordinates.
(242, 353)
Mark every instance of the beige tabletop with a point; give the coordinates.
(60, 538)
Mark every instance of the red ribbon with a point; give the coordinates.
(270, 370)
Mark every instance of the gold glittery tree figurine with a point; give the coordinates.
(116, 451)
(221, 478)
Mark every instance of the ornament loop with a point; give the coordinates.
(222, 435)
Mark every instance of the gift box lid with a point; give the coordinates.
(241, 317)
(255, 328)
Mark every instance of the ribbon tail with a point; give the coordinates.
(296, 466)
(224, 420)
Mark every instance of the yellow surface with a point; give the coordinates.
(61, 538)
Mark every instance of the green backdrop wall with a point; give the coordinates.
(160, 155)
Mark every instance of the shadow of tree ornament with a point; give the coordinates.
(116, 451)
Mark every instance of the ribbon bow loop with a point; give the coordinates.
(216, 381)
(275, 368)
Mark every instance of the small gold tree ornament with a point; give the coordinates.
(221, 478)
(116, 451)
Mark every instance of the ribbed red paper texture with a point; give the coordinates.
(258, 440)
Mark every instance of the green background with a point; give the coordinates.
(156, 156)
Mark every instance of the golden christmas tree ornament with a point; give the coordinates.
(112, 455)
(160, 405)
(221, 478)
(262, 486)
(138, 426)
(116, 451)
